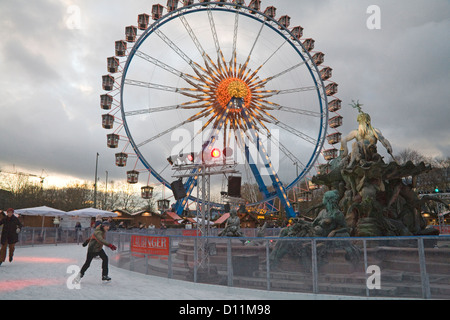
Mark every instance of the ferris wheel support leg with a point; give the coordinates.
(278, 186)
(254, 168)
(181, 204)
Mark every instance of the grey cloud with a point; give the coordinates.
(53, 82)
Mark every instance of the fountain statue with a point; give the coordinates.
(377, 198)
(233, 226)
(368, 197)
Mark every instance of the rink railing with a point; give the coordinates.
(396, 267)
(404, 267)
(31, 236)
(36, 236)
(44, 236)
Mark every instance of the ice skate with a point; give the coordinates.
(106, 279)
(77, 279)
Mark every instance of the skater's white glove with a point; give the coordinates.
(18, 230)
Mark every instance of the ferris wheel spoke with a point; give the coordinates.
(150, 85)
(220, 57)
(151, 110)
(206, 59)
(261, 83)
(262, 94)
(285, 150)
(295, 132)
(189, 92)
(202, 114)
(199, 70)
(252, 77)
(259, 118)
(162, 134)
(245, 65)
(295, 90)
(271, 106)
(187, 77)
(235, 37)
(163, 109)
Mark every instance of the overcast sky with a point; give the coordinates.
(52, 60)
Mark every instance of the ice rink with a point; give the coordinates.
(45, 272)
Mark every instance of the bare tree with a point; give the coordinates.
(437, 178)
(411, 155)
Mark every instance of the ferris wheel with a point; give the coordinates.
(220, 82)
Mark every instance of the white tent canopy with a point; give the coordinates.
(200, 221)
(41, 211)
(92, 212)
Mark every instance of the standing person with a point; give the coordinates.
(11, 229)
(96, 243)
(78, 234)
(112, 224)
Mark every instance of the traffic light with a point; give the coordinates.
(436, 190)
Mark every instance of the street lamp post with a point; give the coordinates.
(95, 183)
(106, 193)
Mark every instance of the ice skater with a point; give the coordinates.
(95, 248)
(10, 234)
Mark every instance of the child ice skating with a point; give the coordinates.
(95, 248)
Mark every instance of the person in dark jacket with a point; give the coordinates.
(96, 243)
(10, 234)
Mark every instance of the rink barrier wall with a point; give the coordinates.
(408, 267)
(400, 267)
(31, 236)
(47, 236)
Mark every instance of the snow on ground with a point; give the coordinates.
(43, 272)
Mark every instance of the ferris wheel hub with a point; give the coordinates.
(230, 88)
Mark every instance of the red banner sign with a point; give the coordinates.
(150, 245)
